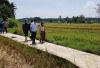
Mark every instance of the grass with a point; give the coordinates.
(33, 56)
(84, 37)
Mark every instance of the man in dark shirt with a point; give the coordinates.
(25, 28)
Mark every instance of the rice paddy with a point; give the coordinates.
(84, 37)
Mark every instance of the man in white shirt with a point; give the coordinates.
(33, 29)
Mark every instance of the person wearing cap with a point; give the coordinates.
(33, 29)
(42, 32)
(25, 28)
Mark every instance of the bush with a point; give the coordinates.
(17, 31)
(12, 22)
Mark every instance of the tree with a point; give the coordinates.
(75, 19)
(7, 9)
(37, 18)
(81, 19)
(60, 18)
(98, 9)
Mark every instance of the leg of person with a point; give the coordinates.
(40, 40)
(25, 38)
(5, 29)
(0, 30)
(33, 37)
(42, 36)
(26, 34)
(30, 35)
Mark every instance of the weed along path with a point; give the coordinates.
(79, 58)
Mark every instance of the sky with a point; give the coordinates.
(55, 8)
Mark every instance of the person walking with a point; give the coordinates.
(1, 26)
(25, 28)
(42, 33)
(5, 26)
(33, 28)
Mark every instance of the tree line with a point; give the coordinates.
(77, 19)
(74, 19)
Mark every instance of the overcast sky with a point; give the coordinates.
(55, 8)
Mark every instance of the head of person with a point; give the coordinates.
(35, 21)
(42, 24)
(26, 21)
(31, 21)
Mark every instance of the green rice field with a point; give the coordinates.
(84, 37)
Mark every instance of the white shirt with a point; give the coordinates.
(33, 27)
(42, 28)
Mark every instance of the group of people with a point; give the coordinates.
(3, 27)
(32, 27)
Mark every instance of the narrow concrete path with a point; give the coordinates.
(79, 58)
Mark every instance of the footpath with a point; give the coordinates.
(79, 58)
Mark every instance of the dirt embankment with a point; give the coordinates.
(17, 55)
(10, 59)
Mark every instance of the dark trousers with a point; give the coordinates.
(26, 33)
(33, 37)
(1, 30)
(5, 29)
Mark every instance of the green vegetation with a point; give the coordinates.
(84, 37)
(7, 9)
(33, 56)
(12, 22)
(74, 19)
